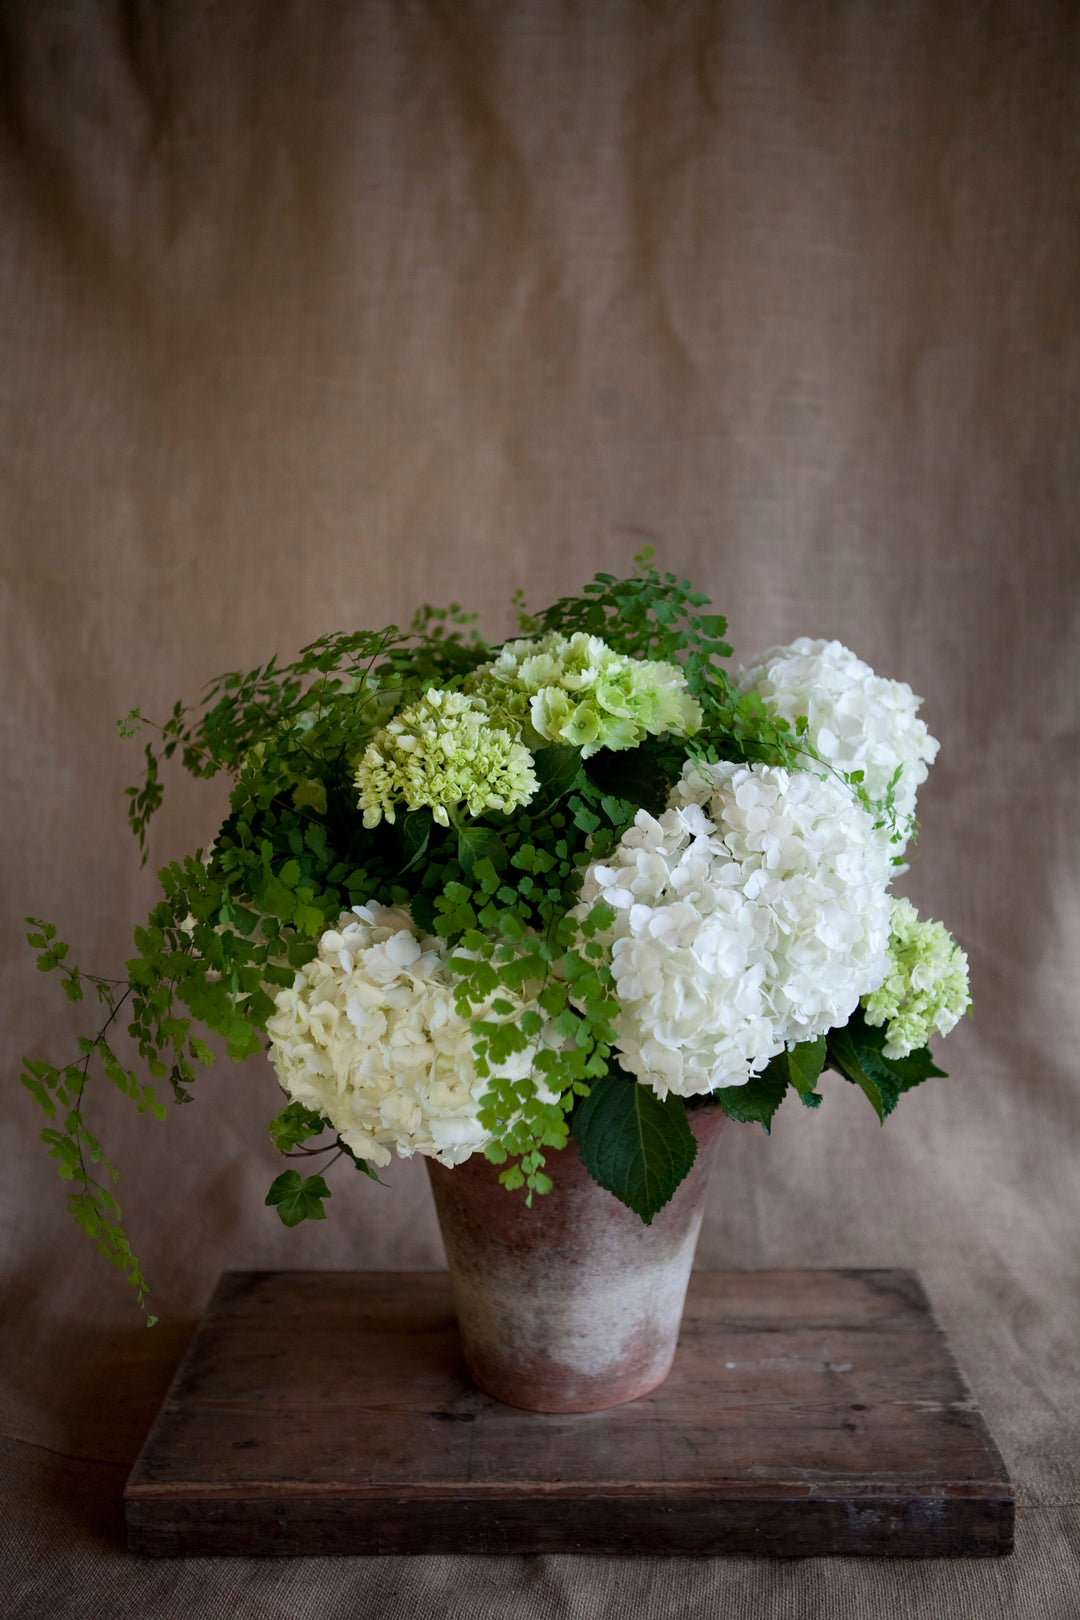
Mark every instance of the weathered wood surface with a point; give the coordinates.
(808, 1412)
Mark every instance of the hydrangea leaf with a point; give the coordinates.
(855, 1052)
(844, 1058)
(298, 1198)
(911, 1070)
(757, 1101)
(557, 769)
(805, 1063)
(633, 1144)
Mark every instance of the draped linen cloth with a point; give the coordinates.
(314, 311)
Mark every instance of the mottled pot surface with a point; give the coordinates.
(574, 1304)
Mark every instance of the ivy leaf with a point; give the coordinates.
(298, 1199)
(295, 1124)
(757, 1101)
(633, 1144)
(478, 843)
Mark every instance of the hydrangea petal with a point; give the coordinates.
(441, 752)
(857, 721)
(755, 915)
(576, 689)
(370, 1037)
(925, 991)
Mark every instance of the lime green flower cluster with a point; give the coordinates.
(576, 689)
(439, 752)
(926, 989)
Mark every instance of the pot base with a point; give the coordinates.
(539, 1386)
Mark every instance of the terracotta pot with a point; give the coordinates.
(573, 1305)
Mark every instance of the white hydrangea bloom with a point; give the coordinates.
(925, 991)
(369, 1036)
(753, 914)
(576, 689)
(857, 721)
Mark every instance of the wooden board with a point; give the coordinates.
(808, 1412)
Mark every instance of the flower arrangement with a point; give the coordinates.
(481, 899)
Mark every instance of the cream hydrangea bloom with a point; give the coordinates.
(753, 914)
(369, 1036)
(576, 689)
(857, 721)
(439, 752)
(926, 989)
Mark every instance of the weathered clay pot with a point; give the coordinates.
(573, 1305)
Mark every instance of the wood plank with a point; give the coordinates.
(808, 1412)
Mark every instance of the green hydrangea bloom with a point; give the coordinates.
(576, 689)
(440, 752)
(926, 989)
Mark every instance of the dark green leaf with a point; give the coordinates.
(805, 1063)
(911, 1070)
(856, 1053)
(757, 1101)
(633, 1144)
(477, 843)
(630, 774)
(297, 1199)
(843, 1057)
(557, 769)
(415, 836)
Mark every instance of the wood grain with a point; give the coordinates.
(808, 1412)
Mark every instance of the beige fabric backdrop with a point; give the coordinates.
(312, 311)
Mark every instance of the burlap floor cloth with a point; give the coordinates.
(313, 311)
